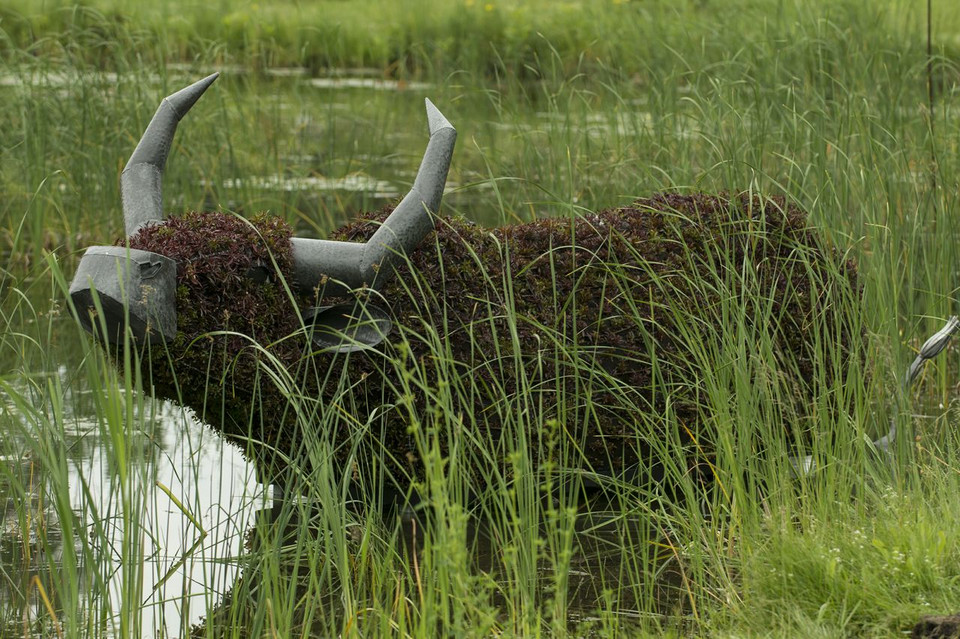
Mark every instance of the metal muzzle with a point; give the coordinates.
(116, 288)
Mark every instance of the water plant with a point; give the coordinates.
(818, 101)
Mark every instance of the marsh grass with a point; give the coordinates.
(823, 102)
(496, 536)
(529, 39)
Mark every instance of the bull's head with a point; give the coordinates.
(116, 287)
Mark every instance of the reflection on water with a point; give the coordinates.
(374, 84)
(184, 568)
(355, 183)
(360, 78)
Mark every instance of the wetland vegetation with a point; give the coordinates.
(122, 516)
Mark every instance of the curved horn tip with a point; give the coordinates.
(185, 98)
(435, 118)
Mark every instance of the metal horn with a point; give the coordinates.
(117, 287)
(141, 183)
(372, 264)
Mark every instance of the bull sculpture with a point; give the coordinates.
(589, 315)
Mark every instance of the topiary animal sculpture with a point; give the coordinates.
(592, 315)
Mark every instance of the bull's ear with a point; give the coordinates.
(345, 328)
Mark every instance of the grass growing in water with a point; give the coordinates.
(822, 106)
(667, 552)
(531, 39)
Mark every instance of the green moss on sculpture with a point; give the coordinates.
(580, 306)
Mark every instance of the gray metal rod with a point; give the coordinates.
(930, 349)
(333, 268)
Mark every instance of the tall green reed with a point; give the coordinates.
(823, 106)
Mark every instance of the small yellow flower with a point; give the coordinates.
(470, 3)
(488, 7)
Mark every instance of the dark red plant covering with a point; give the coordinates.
(598, 311)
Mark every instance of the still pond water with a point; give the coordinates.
(189, 548)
